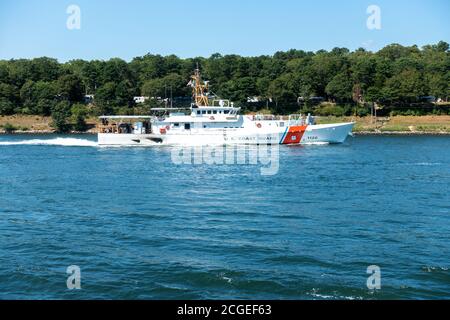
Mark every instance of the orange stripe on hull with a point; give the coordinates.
(294, 135)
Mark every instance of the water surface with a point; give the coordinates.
(141, 227)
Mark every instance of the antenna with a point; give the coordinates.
(199, 88)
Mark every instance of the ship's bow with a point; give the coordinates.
(327, 133)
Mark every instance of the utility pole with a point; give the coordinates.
(165, 95)
(371, 112)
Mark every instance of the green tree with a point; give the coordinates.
(153, 88)
(148, 67)
(70, 87)
(282, 91)
(6, 106)
(406, 86)
(439, 85)
(44, 96)
(177, 83)
(44, 106)
(105, 98)
(8, 92)
(60, 116)
(44, 69)
(115, 70)
(262, 86)
(91, 75)
(38, 97)
(79, 114)
(340, 87)
(124, 93)
(363, 69)
(27, 97)
(161, 87)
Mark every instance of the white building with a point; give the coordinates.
(88, 98)
(254, 99)
(140, 99)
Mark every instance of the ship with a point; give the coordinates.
(214, 121)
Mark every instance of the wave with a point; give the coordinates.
(421, 164)
(427, 163)
(69, 142)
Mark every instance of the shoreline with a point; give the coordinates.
(44, 132)
(400, 133)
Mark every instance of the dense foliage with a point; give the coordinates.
(396, 77)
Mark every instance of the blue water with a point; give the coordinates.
(141, 227)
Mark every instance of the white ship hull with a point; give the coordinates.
(307, 134)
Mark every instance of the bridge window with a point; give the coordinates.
(209, 111)
(176, 125)
(203, 111)
(226, 111)
(187, 126)
(214, 111)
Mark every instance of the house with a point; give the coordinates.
(88, 98)
(429, 99)
(313, 100)
(140, 99)
(253, 99)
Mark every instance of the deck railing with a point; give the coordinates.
(293, 119)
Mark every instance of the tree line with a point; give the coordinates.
(396, 78)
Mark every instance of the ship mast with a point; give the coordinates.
(198, 89)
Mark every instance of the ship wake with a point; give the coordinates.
(67, 142)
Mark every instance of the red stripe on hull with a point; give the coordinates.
(294, 135)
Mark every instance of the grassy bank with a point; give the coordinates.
(367, 125)
(396, 124)
(34, 124)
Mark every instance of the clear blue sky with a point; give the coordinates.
(125, 29)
